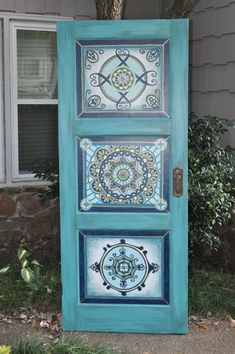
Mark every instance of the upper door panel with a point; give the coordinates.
(121, 77)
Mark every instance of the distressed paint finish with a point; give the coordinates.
(148, 318)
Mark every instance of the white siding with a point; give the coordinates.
(212, 60)
(74, 8)
(78, 8)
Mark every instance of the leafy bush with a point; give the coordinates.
(211, 189)
(47, 170)
(30, 269)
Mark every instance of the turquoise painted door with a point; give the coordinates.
(123, 174)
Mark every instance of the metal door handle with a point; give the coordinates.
(178, 182)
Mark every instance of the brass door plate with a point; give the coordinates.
(178, 182)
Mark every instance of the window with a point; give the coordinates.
(28, 95)
(34, 96)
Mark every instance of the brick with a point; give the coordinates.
(30, 203)
(7, 205)
(9, 225)
(39, 227)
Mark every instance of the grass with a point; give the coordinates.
(43, 294)
(71, 345)
(209, 290)
(212, 291)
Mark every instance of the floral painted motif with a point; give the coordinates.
(123, 175)
(121, 78)
(124, 267)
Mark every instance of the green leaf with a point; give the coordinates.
(27, 274)
(36, 263)
(5, 349)
(23, 253)
(24, 263)
(5, 269)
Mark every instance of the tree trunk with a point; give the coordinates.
(110, 9)
(179, 8)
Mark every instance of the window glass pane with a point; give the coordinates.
(37, 126)
(36, 64)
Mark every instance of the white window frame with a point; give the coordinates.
(9, 164)
(30, 26)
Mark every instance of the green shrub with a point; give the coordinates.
(211, 189)
(47, 170)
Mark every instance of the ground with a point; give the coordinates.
(214, 337)
(34, 310)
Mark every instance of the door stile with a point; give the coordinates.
(68, 178)
(179, 158)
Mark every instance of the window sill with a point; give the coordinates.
(24, 184)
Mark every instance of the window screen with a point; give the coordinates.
(36, 64)
(37, 126)
(37, 91)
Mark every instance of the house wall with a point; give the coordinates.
(74, 8)
(25, 218)
(78, 8)
(212, 60)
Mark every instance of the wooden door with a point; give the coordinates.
(123, 174)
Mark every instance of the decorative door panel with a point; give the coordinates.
(121, 77)
(123, 173)
(124, 267)
(123, 130)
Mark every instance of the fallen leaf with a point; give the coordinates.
(216, 323)
(193, 319)
(203, 325)
(44, 324)
(231, 321)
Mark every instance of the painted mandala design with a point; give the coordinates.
(124, 267)
(120, 78)
(123, 175)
